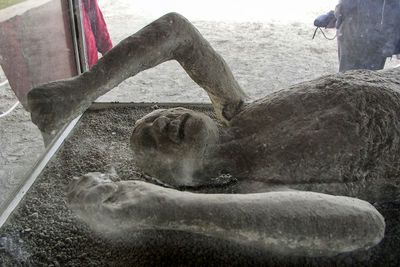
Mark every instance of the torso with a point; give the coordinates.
(328, 131)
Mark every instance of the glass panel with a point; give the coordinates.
(21, 143)
(35, 47)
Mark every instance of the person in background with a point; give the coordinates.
(367, 32)
(97, 38)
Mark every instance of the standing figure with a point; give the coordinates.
(368, 32)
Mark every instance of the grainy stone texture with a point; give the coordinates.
(43, 231)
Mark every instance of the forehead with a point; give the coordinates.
(173, 112)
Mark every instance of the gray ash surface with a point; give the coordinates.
(44, 232)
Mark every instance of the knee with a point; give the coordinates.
(177, 20)
(174, 17)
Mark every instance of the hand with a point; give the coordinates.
(54, 104)
(114, 207)
(92, 188)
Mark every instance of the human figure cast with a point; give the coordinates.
(337, 134)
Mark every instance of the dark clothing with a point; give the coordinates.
(368, 32)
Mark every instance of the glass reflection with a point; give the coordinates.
(36, 46)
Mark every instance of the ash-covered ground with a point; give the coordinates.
(44, 232)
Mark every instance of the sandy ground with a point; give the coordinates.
(20, 142)
(267, 50)
(264, 56)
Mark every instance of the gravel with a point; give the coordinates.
(44, 232)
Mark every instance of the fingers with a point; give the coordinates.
(53, 104)
(92, 188)
(41, 107)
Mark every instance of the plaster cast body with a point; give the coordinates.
(323, 135)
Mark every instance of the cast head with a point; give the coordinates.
(171, 144)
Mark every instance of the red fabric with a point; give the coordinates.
(97, 37)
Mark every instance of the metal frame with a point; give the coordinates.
(78, 36)
(106, 105)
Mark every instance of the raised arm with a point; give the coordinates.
(170, 37)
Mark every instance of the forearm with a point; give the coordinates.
(290, 222)
(293, 223)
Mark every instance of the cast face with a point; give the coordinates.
(170, 144)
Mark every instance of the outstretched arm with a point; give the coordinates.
(290, 222)
(169, 37)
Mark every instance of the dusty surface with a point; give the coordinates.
(43, 230)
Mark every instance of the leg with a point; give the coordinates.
(170, 37)
(291, 222)
(358, 49)
(353, 59)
